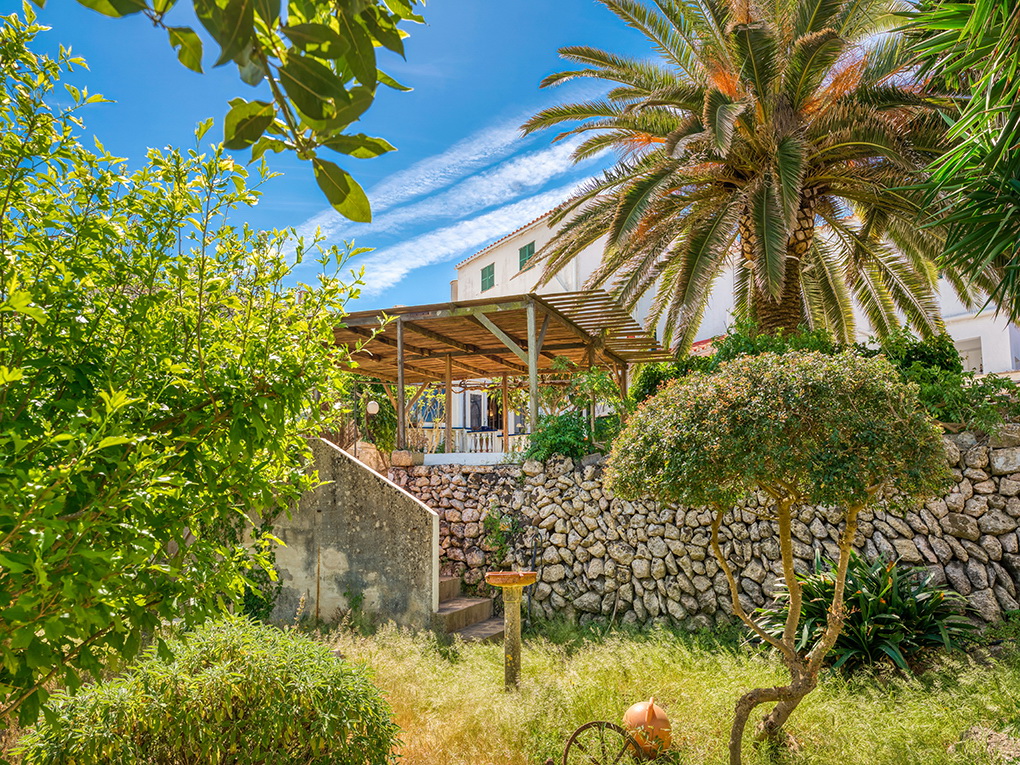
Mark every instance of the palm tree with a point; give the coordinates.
(975, 48)
(776, 137)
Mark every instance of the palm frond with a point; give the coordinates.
(770, 235)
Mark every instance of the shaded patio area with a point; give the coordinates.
(514, 339)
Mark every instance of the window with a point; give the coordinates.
(489, 277)
(527, 251)
(970, 355)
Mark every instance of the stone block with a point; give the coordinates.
(985, 605)
(1008, 436)
(1003, 461)
(996, 522)
(907, 551)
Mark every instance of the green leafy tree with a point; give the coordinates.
(158, 380)
(974, 48)
(776, 138)
(808, 430)
(318, 59)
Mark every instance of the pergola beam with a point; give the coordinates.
(502, 336)
(421, 353)
(438, 313)
(577, 330)
(577, 346)
(466, 348)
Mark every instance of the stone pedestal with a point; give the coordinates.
(512, 584)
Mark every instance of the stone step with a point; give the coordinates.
(489, 631)
(449, 587)
(457, 613)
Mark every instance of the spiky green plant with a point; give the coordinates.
(974, 46)
(772, 137)
(895, 614)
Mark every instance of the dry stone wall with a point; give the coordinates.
(602, 557)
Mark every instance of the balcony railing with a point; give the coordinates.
(432, 441)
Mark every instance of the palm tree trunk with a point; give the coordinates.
(786, 313)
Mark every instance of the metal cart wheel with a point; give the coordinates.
(601, 743)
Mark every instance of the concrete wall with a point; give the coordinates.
(602, 557)
(358, 535)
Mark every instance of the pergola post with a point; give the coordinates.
(591, 403)
(622, 379)
(401, 396)
(449, 404)
(506, 416)
(532, 367)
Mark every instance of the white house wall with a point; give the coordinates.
(997, 339)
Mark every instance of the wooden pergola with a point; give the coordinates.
(495, 338)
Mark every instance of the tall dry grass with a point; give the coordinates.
(452, 710)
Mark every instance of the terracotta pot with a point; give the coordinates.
(648, 724)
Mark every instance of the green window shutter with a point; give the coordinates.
(489, 277)
(527, 251)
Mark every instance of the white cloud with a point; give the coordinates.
(507, 181)
(385, 268)
(430, 174)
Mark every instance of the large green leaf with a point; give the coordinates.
(311, 85)
(815, 15)
(635, 200)
(383, 30)
(246, 122)
(360, 99)
(231, 24)
(361, 56)
(317, 39)
(389, 82)
(342, 191)
(268, 10)
(360, 146)
(115, 8)
(188, 46)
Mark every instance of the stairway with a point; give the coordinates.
(469, 618)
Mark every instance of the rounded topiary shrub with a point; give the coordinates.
(234, 692)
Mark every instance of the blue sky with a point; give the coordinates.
(462, 176)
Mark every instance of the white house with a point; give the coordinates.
(986, 342)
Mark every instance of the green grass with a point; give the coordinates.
(451, 707)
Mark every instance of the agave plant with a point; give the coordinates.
(895, 614)
(776, 138)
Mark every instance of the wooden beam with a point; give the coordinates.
(417, 394)
(448, 445)
(541, 334)
(532, 369)
(401, 392)
(504, 338)
(591, 404)
(468, 348)
(599, 344)
(506, 417)
(486, 352)
(444, 311)
(622, 378)
(507, 339)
